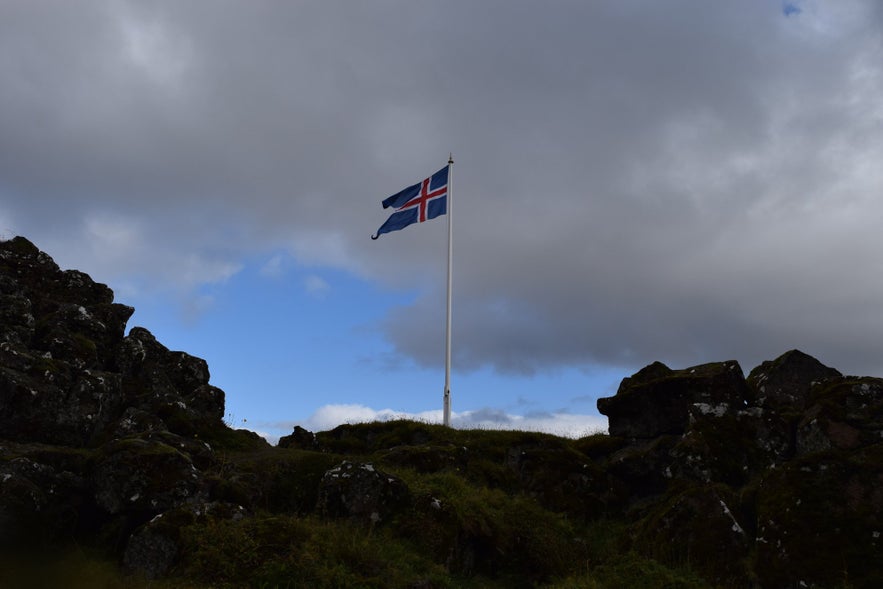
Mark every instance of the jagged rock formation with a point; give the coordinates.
(99, 431)
(784, 468)
(115, 442)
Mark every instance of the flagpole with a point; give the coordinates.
(447, 397)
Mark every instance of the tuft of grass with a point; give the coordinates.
(290, 552)
(632, 571)
(74, 569)
(476, 530)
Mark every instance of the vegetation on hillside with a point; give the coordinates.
(469, 526)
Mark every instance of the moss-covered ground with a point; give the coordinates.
(484, 509)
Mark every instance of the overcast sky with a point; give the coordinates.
(684, 181)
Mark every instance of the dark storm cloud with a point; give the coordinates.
(684, 181)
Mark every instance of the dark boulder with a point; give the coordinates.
(143, 476)
(700, 525)
(359, 491)
(644, 468)
(59, 332)
(300, 438)
(657, 400)
(845, 414)
(154, 548)
(730, 446)
(786, 382)
(47, 400)
(40, 502)
(819, 521)
(173, 386)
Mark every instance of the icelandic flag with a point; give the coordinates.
(418, 203)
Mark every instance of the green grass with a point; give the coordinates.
(74, 569)
(484, 510)
(293, 552)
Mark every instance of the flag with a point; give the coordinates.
(418, 203)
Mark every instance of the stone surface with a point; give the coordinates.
(69, 374)
(360, 491)
(656, 400)
(143, 475)
(787, 381)
(819, 521)
(300, 438)
(98, 429)
(710, 530)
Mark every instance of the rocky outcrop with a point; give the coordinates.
(300, 438)
(68, 373)
(657, 400)
(786, 465)
(786, 383)
(101, 431)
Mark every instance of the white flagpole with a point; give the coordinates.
(447, 405)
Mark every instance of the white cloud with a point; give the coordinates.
(316, 286)
(163, 56)
(560, 424)
(274, 267)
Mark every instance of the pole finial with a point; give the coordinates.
(450, 158)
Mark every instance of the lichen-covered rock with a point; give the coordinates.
(730, 446)
(657, 400)
(144, 476)
(845, 414)
(361, 492)
(135, 421)
(701, 525)
(58, 336)
(426, 458)
(644, 467)
(39, 503)
(16, 320)
(46, 400)
(68, 374)
(786, 382)
(153, 549)
(820, 521)
(171, 385)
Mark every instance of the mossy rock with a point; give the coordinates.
(427, 458)
(656, 400)
(818, 520)
(146, 476)
(694, 526)
(849, 414)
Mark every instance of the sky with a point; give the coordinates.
(634, 181)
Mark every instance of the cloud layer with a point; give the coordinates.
(328, 417)
(635, 181)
